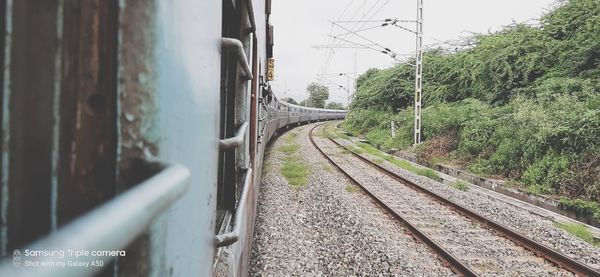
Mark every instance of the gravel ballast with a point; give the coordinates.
(482, 250)
(328, 227)
(531, 225)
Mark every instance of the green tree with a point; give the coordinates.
(523, 103)
(334, 106)
(289, 100)
(317, 94)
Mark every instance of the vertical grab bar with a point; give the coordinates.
(233, 236)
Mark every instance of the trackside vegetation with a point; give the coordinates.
(521, 104)
(580, 231)
(293, 170)
(361, 148)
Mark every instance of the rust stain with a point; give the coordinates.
(136, 88)
(94, 38)
(89, 102)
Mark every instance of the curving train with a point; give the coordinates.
(135, 128)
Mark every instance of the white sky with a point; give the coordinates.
(300, 24)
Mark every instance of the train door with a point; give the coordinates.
(235, 174)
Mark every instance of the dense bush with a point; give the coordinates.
(523, 103)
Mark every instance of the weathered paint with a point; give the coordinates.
(169, 88)
(87, 148)
(139, 80)
(189, 94)
(136, 105)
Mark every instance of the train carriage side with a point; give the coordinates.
(185, 84)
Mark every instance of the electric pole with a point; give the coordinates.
(418, 71)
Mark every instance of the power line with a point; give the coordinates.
(362, 30)
(361, 36)
(355, 25)
(330, 31)
(365, 46)
(382, 20)
(326, 59)
(371, 17)
(338, 46)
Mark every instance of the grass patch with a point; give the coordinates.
(372, 150)
(331, 132)
(355, 149)
(352, 188)
(378, 161)
(267, 167)
(328, 168)
(290, 137)
(427, 172)
(289, 149)
(581, 206)
(318, 133)
(294, 172)
(460, 185)
(580, 231)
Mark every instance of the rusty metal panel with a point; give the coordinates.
(87, 107)
(136, 114)
(57, 105)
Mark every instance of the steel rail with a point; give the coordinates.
(110, 227)
(450, 260)
(547, 253)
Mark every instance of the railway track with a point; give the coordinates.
(469, 243)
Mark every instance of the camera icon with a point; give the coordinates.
(17, 257)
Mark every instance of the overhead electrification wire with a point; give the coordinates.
(358, 24)
(353, 27)
(368, 21)
(404, 28)
(363, 37)
(384, 51)
(337, 46)
(330, 53)
(362, 30)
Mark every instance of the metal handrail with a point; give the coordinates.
(235, 44)
(110, 227)
(233, 236)
(236, 141)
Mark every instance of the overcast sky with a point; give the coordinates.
(300, 25)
